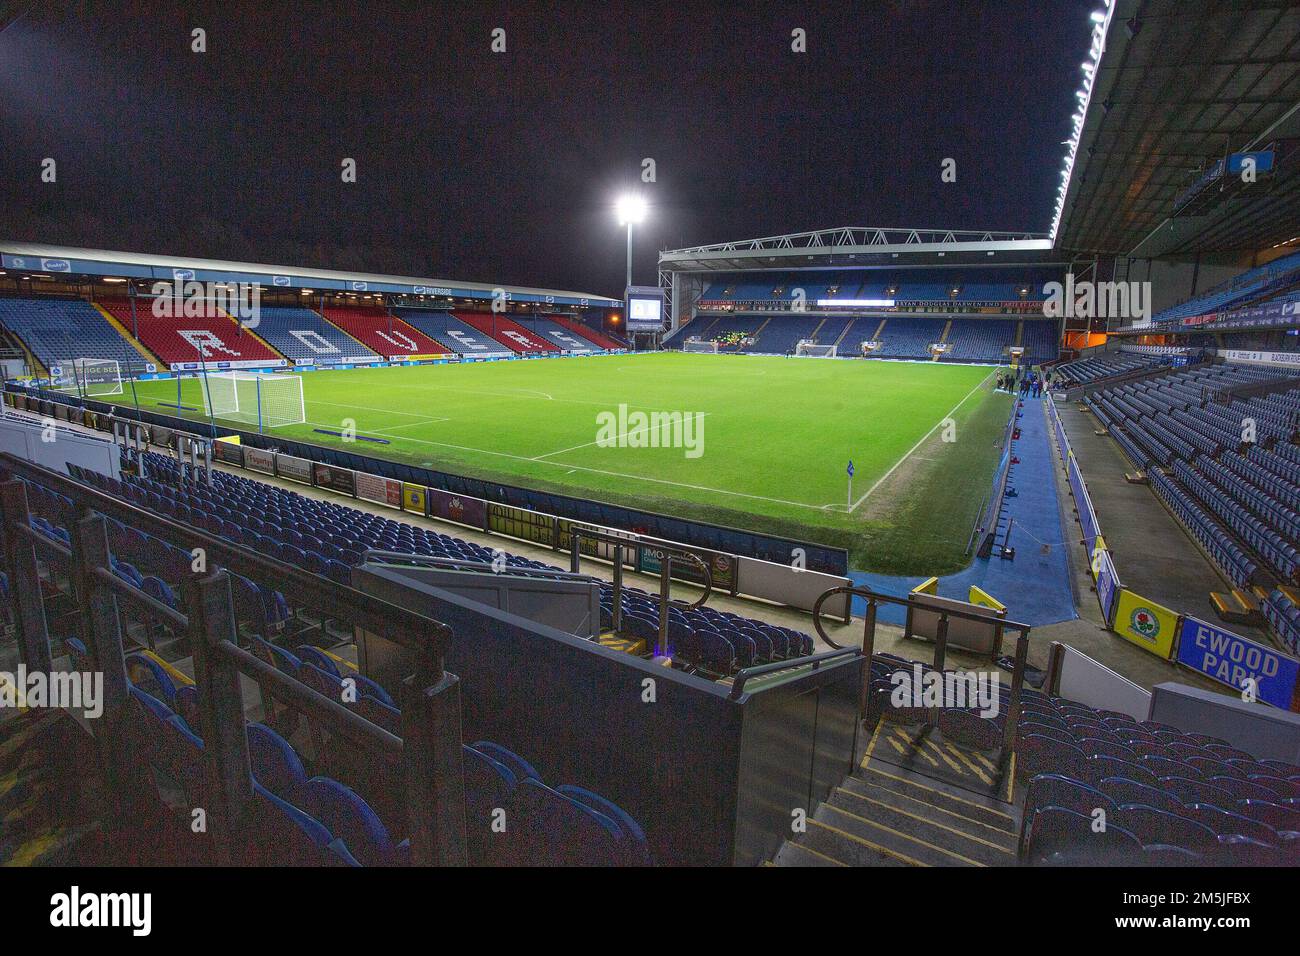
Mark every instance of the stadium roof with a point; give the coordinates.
(1179, 86)
(34, 258)
(859, 247)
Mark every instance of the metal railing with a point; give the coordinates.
(428, 750)
(815, 661)
(670, 554)
(874, 600)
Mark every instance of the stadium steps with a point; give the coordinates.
(844, 333)
(1020, 334)
(257, 338)
(33, 363)
(947, 329)
(131, 340)
(818, 329)
(49, 803)
(759, 332)
(1237, 607)
(884, 814)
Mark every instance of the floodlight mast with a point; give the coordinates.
(630, 209)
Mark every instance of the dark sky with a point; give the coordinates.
(503, 167)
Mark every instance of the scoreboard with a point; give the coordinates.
(644, 307)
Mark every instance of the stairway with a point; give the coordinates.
(49, 804)
(886, 814)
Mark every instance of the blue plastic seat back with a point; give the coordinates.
(275, 764)
(349, 818)
(518, 766)
(559, 831)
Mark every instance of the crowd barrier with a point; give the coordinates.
(1255, 670)
(795, 580)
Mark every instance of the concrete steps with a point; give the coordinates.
(887, 815)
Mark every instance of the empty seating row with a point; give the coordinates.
(57, 331)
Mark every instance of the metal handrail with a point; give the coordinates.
(670, 553)
(759, 670)
(428, 749)
(874, 599)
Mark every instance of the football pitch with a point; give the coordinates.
(761, 443)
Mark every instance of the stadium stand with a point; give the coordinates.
(327, 804)
(507, 331)
(560, 336)
(1169, 796)
(1238, 493)
(707, 641)
(599, 339)
(451, 332)
(980, 340)
(910, 337)
(381, 332)
(1260, 283)
(1101, 367)
(61, 330)
(302, 336)
(1040, 340)
(935, 288)
(213, 339)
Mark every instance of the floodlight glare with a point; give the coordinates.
(630, 209)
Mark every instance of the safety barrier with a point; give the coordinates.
(945, 616)
(1247, 666)
(486, 505)
(428, 750)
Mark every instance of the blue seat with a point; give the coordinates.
(518, 766)
(349, 818)
(559, 831)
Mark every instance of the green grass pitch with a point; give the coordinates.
(776, 436)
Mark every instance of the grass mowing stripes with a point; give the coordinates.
(774, 439)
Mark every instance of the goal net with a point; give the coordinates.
(255, 398)
(809, 347)
(699, 345)
(89, 377)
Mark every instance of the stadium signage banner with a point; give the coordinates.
(1146, 624)
(335, 479)
(255, 459)
(722, 567)
(1261, 358)
(230, 452)
(415, 499)
(384, 491)
(1107, 582)
(1239, 662)
(295, 469)
(462, 509)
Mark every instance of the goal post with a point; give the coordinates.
(254, 398)
(699, 345)
(809, 347)
(89, 377)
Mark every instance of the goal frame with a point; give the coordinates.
(810, 349)
(254, 412)
(701, 345)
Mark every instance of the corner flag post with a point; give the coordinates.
(849, 504)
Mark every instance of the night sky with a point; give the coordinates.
(503, 167)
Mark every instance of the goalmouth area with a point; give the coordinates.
(759, 443)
